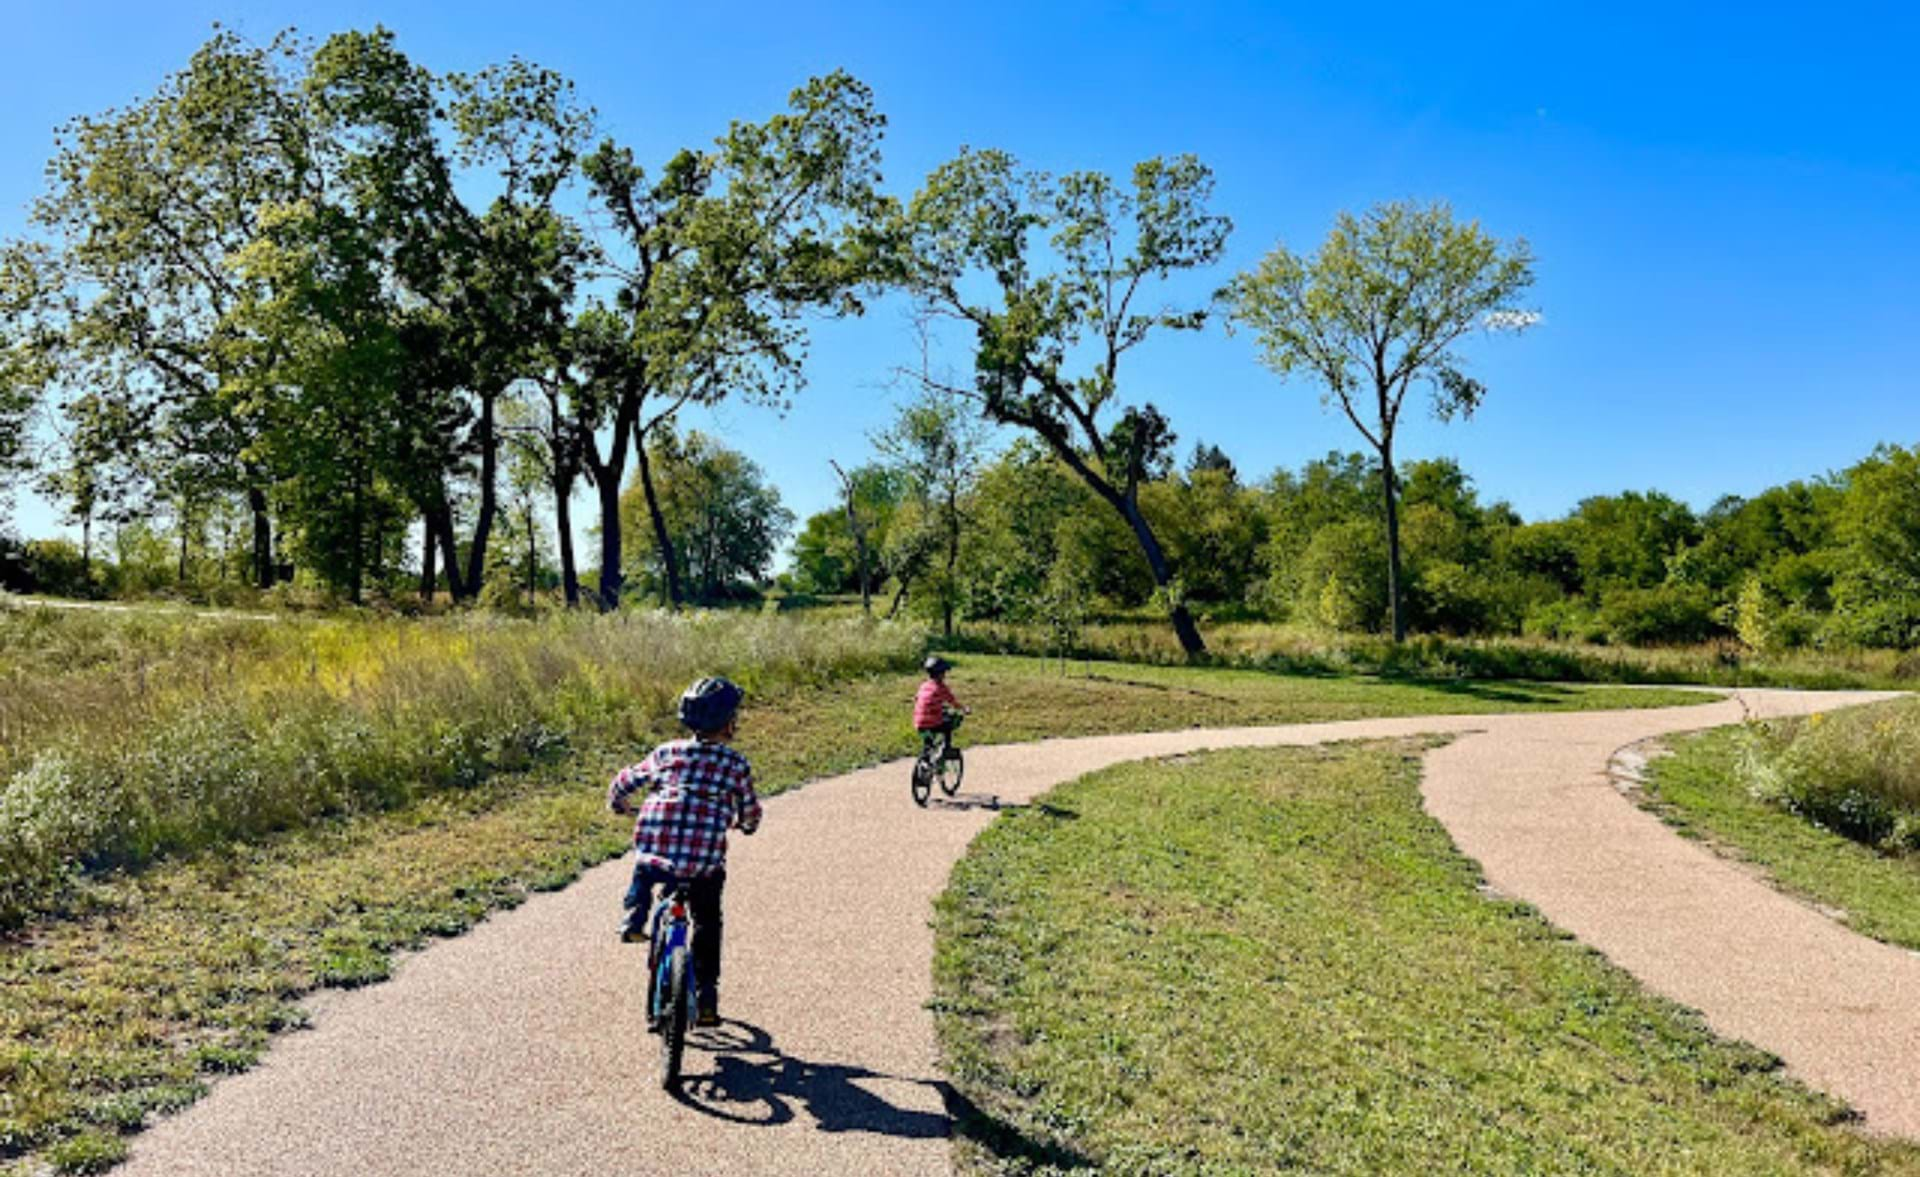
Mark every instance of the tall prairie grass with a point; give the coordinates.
(1300, 650)
(1855, 772)
(125, 738)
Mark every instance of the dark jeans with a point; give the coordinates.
(942, 735)
(703, 898)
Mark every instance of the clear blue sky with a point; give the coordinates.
(1724, 200)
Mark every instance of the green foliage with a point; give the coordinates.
(981, 221)
(1877, 590)
(56, 567)
(1380, 306)
(1854, 772)
(1629, 539)
(1667, 614)
(725, 518)
(722, 256)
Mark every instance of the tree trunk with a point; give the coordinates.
(429, 578)
(1390, 492)
(86, 549)
(858, 531)
(1128, 505)
(953, 561)
(606, 483)
(611, 578)
(1183, 624)
(183, 549)
(533, 560)
(262, 536)
(489, 467)
(866, 582)
(563, 526)
(442, 518)
(663, 542)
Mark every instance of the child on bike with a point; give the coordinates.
(696, 789)
(935, 710)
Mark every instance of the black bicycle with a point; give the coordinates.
(939, 762)
(671, 992)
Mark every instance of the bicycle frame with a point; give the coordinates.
(672, 929)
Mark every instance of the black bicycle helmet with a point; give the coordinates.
(709, 704)
(936, 665)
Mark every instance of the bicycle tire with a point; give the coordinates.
(673, 1027)
(922, 781)
(951, 772)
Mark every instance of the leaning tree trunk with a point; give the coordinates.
(1183, 625)
(663, 541)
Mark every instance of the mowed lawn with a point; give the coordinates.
(153, 981)
(1273, 960)
(858, 721)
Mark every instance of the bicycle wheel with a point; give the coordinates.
(951, 772)
(673, 1020)
(922, 781)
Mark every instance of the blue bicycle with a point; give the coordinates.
(670, 964)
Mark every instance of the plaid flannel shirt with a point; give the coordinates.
(695, 793)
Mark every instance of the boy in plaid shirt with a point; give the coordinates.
(696, 789)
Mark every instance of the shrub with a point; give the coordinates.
(1567, 620)
(56, 567)
(1668, 614)
(1856, 773)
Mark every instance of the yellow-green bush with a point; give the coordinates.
(1855, 772)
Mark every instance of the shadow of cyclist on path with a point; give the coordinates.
(752, 1082)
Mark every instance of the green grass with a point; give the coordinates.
(1298, 649)
(1698, 789)
(156, 979)
(1265, 961)
(126, 739)
(856, 721)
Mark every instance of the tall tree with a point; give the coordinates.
(722, 255)
(24, 366)
(479, 295)
(146, 209)
(1069, 263)
(938, 449)
(1380, 307)
(865, 499)
(726, 518)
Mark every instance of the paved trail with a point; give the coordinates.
(517, 1048)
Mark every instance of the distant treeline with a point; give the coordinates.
(1828, 561)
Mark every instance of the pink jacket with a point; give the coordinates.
(930, 705)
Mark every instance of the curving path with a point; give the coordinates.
(517, 1048)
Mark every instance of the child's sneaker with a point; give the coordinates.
(633, 927)
(708, 1013)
